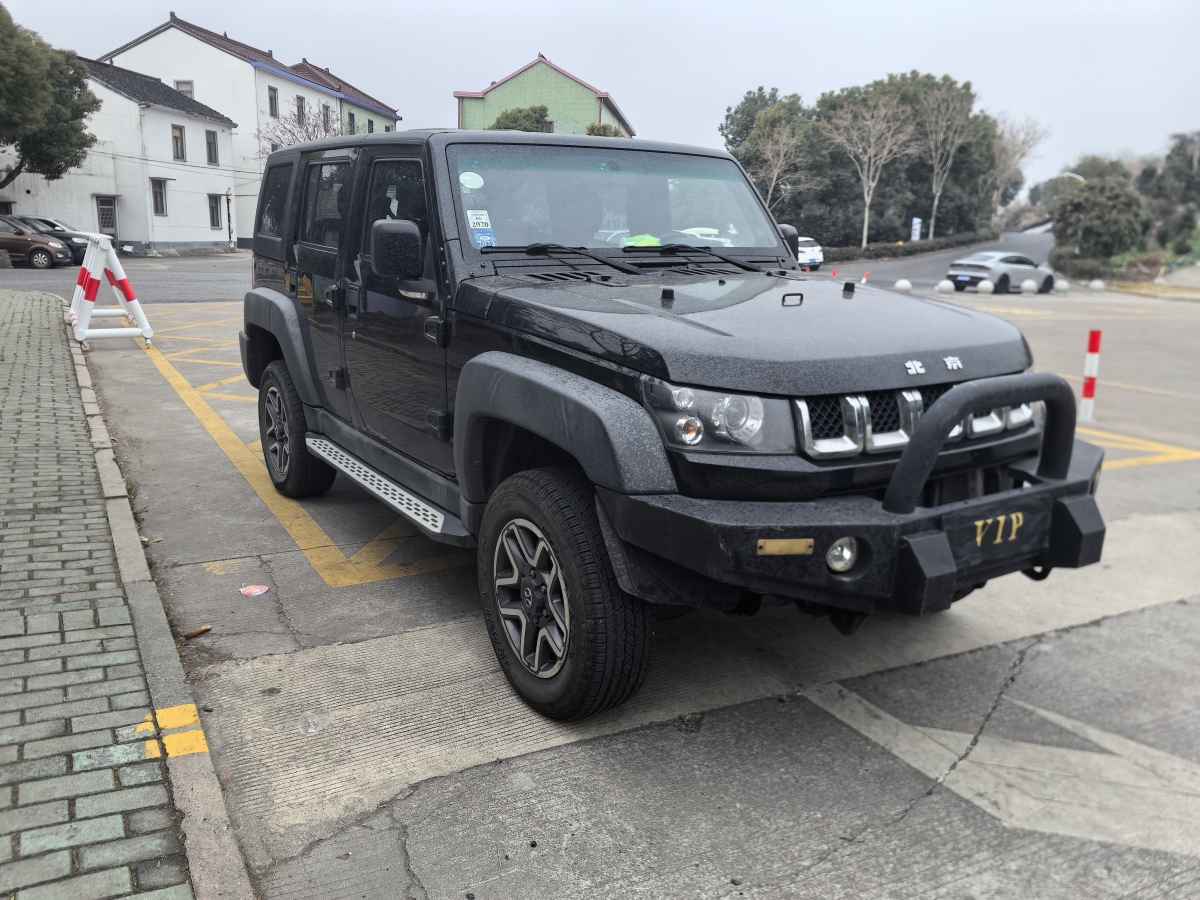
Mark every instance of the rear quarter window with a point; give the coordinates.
(272, 208)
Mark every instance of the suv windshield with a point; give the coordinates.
(512, 195)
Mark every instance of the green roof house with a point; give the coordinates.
(573, 103)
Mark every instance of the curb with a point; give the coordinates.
(215, 863)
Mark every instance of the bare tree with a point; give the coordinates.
(779, 159)
(872, 133)
(1012, 143)
(945, 117)
(297, 124)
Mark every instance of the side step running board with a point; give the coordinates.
(436, 523)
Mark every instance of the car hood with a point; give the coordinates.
(755, 332)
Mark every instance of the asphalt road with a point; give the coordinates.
(168, 279)
(927, 270)
(1039, 739)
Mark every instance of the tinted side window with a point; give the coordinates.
(397, 191)
(5, 228)
(326, 202)
(274, 201)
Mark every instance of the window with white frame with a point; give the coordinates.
(210, 148)
(299, 110)
(214, 210)
(370, 126)
(178, 147)
(185, 88)
(351, 128)
(158, 188)
(273, 102)
(325, 116)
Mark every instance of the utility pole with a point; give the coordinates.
(228, 214)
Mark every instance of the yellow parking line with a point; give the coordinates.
(216, 384)
(328, 560)
(1151, 452)
(229, 396)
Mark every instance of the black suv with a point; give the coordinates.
(597, 361)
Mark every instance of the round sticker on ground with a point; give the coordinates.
(472, 180)
(253, 590)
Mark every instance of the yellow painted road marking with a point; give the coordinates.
(1150, 452)
(224, 381)
(210, 362)
(185, 742)
(229, 397)
(325, 556)
(175, 354)
(177, 716)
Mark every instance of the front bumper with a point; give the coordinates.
(913, 560)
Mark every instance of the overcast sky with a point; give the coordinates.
(1104, 76)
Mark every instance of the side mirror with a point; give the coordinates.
(791, 237)
(397, 250)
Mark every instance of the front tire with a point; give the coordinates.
(281, 426)
(1047, 285)
(41, 259)
(1002, 284)
(569, 640)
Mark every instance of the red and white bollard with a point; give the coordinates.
(1091, 368)
(101, 261)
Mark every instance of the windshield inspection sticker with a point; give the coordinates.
(484, 237)
(471, 180)
(478, 218)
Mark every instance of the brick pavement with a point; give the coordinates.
(85, 807)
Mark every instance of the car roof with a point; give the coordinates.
(444, 136)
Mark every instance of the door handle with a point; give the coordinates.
(333, 296)
(353, 294)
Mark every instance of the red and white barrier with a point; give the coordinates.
(1091, 368)
(101, 262)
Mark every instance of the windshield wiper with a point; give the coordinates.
(550, 249)
(688, 248)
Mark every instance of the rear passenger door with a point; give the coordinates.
(321, 234)
(397, 372)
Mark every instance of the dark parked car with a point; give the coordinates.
(26, 245)
(684, 420)
(77, 241)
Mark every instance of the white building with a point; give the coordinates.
(158, 176)
(253, 87)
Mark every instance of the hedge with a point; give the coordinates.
(910, 248)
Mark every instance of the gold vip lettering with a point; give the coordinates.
(983, 528)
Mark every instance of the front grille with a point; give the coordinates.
(825, 413)
(884, 411)
(930, 394)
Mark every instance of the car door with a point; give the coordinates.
(11, 240)
(321, 234)
(396, 367)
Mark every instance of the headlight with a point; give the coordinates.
(57, 246)
(695, 419)
(78, 240)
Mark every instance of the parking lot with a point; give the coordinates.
(1039, 739)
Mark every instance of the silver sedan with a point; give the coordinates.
(1004, 270)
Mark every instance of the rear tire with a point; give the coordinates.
(294, 471)
(1002, 284)
(816, 268)
(41, 259)
(960, 286)
(569, 640)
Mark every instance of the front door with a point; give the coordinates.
(320, 236)
(106, 216)
(13, 241)
(397, 374)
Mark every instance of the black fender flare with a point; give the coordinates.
(279, 315)
(611, 435)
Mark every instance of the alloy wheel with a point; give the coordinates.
(276, 442)
(40, 259)
(531, 597)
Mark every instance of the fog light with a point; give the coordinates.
(689, 429)
(842, 554)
